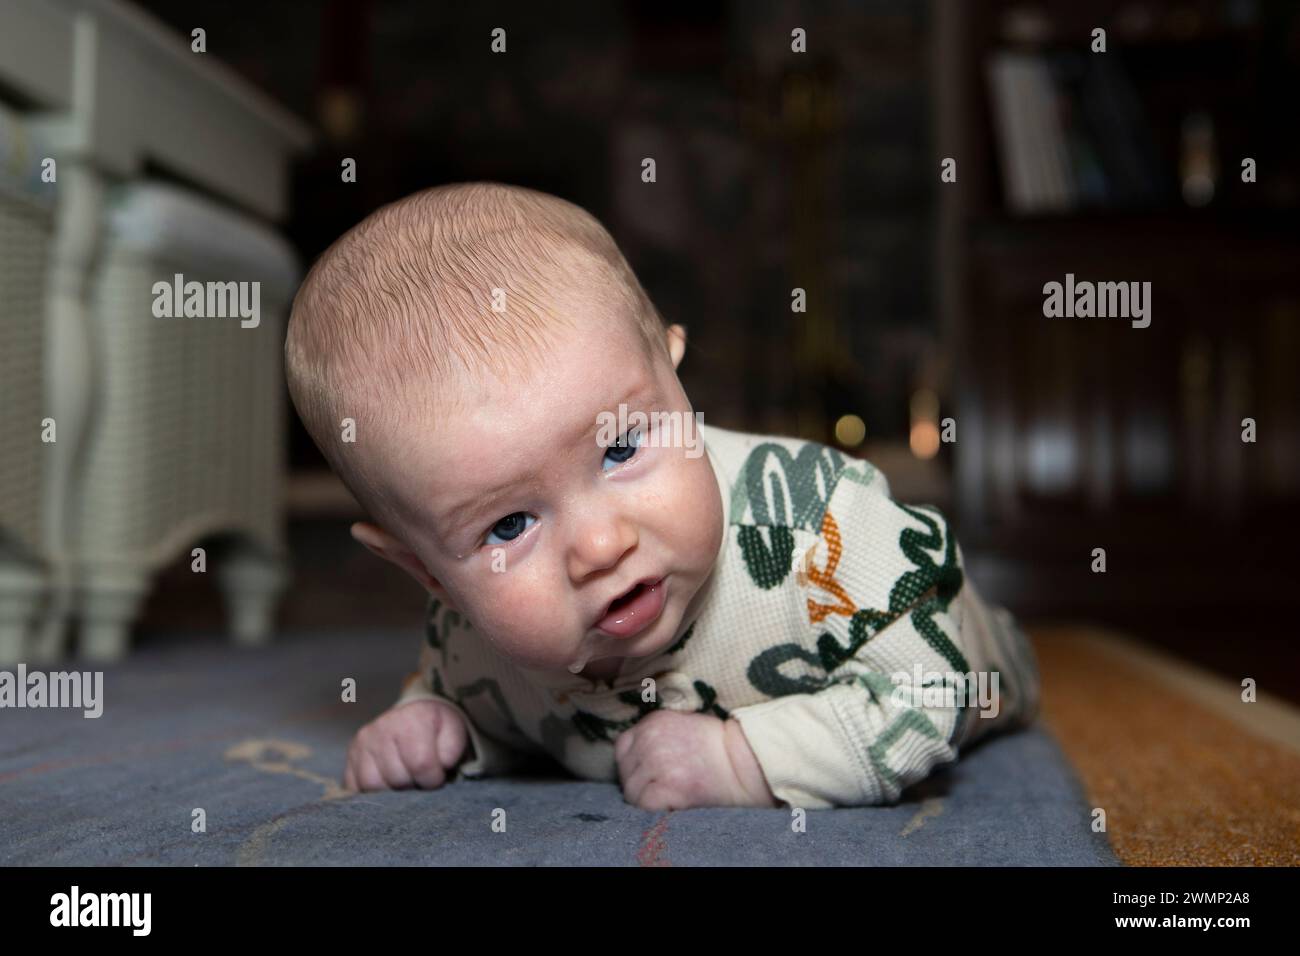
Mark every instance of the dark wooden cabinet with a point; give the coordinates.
(1083, 433)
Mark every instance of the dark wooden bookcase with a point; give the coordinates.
(1075, 434)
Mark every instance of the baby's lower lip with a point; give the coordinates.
(637, 614)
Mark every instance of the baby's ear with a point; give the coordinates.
(390, 549)
(676, 343)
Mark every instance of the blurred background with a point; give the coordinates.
(822, 171)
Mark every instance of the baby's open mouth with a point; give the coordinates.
(621, 602)
(631, 612)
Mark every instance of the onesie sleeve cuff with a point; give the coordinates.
(804, 750)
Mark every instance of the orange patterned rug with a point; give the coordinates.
(1187, 772)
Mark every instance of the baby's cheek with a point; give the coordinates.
(700, 514)
(673, 486)
(522, 615)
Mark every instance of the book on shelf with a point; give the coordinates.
(1071, 132)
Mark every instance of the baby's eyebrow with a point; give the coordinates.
(465, 510)
(477, 502)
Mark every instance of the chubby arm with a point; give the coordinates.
(671, 760)
(860, 741)
(858, 709)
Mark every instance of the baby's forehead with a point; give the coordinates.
(553, 407)
(489, 437)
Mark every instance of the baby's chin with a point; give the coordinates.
(680, 611)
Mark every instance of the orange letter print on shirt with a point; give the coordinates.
(824, 578)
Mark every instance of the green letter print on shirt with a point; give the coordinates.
(593, 728)
(924, 591)
(912, 719)
(778, 492)
(440, 624)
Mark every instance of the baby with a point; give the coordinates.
(708, 617)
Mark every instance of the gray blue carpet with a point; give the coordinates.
(257, 738)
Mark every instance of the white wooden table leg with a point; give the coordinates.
(251, 581)
(110, 601)
(21, 592)
(69, 371)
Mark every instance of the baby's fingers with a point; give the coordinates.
(629, 760)
(352, 766)
(420, 756)
(368, 776)
(388, 757)
(635, 784)
(452, 740)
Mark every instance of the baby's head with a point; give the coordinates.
(475, 333)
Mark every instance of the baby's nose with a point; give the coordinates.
(599, 544)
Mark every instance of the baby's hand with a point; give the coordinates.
(413, 744)
(674, 761)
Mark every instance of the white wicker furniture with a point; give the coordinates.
(113, 90)
(26, 230)
(187, 435)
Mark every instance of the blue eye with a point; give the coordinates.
(510, 527)
(622, 450)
